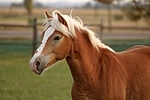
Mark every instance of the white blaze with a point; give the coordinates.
(47, 34)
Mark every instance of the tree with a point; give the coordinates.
(105, 1)
(134, 10)
(28, 5)
(138, 9)
(87, 5)
(109, 14)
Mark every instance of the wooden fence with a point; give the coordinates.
(100, 26)
(33, 26)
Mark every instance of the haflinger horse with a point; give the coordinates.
(99, 73)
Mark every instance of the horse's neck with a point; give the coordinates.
(84, 60)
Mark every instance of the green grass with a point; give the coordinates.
(18, 82)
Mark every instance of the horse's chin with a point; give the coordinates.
(37, 72)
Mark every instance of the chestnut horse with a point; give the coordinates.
(99, 73)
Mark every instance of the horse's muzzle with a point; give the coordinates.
(37, 65)
(36, 68)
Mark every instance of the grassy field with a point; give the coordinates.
(18, 82)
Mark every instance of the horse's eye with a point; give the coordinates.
(57, 38)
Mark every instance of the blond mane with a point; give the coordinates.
(72, 23)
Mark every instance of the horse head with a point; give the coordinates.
(55, 45)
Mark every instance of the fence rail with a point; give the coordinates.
(15, 25)
(119, 27)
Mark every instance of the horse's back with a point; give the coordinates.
(138, 46)
(137, 50)
(136, 61)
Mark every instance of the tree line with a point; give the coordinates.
(134, 10)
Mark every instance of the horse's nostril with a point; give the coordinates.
(37, 65)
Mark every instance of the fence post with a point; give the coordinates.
(34, 42)
(101, 29)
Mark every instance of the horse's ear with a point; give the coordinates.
(62, 20)
(47, 15)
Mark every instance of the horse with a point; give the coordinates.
(98, 72)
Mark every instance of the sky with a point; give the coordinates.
(45, 1)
